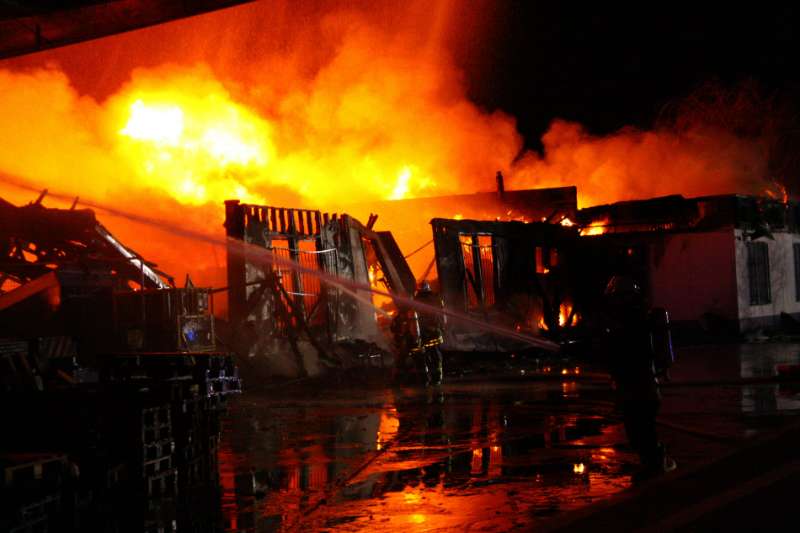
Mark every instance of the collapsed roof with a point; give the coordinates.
(676, 213)
(37, 240)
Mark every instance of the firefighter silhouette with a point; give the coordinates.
(431, 328)
(405, 331)
(638, 347)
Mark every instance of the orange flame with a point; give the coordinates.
(329, 108)
(200, 142)
(777, 191)
(598, 227)
(566, 318)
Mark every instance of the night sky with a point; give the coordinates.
(609, 65)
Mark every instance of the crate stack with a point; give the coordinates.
(221, 379)
(31, 492)
(158, 470)
(196, 424)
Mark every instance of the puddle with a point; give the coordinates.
(484, 458)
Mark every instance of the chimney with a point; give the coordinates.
(501, 187)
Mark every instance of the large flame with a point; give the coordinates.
(310, 105)
(187, 137)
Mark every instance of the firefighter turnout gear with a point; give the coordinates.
(638, 347)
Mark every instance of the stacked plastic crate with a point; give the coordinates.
(31, 492)
(195, 420)
(158, 469)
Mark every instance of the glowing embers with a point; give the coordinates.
(563, 370)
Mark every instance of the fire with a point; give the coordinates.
(159, 124)
(401, 187)
(195, 147)
(566, 317)
(777, 191)
(378, 113)
(387, 430)
(597, 227)
(320, 107)
(511, 216)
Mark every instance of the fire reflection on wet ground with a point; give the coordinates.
(495, 455)
(489, 456)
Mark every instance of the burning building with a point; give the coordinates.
(302, 321)
(513, 274)
(728, 263)
(284, 297)
(483, 258)
(409, 219)
(315, 104)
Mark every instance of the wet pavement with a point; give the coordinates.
(485, 455)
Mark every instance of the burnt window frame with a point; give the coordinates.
(759, 277)
(306, 291)
(546, 257)
(480, 292)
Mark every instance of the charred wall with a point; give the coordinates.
(693, 256)
(512, 274)
(284, 301)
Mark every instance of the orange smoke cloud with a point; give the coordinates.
(631, 164)
(359, 129)
(312, 106)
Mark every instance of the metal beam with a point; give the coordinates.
(27, 27)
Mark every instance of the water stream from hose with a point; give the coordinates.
(255, 253)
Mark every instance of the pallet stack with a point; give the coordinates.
(157, 462)
(31, 491)
(196, 422)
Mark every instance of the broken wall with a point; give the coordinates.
(511, 274)
(293, 320)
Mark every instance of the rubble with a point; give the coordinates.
(107, 365)
(276, 311)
